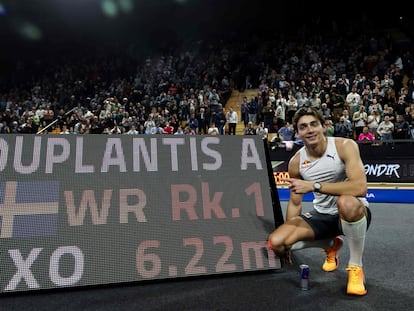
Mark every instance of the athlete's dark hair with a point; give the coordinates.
(307, 111)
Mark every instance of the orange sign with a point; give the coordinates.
(279, 176)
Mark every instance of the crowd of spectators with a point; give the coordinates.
(361, 82)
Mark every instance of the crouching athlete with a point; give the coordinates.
(331, 168)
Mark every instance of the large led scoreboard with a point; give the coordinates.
(102, 209)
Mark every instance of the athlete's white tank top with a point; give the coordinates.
(328, 168)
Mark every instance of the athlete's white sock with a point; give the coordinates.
(326, 243)
(355, 234)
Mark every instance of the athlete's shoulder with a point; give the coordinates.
(295, 159)
(341, 142)
(346, 146)
(298, 153)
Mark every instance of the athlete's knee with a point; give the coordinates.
(276, 243)
(345, 202)
(350, 208)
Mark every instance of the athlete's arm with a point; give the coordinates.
(356, 183)
(294, 207)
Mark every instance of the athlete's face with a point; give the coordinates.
(310, 130)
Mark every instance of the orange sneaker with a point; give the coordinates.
(331, 262)
(356, 281)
